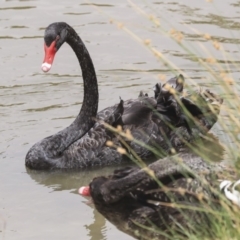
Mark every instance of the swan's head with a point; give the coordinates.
(95, 188)
(55, 36)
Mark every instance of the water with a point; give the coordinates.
(45, 205)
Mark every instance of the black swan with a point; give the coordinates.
(72, 147)
(137, 204)
(48, 153)
(82, 144)
(63, 149)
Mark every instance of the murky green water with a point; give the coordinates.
(33, 105)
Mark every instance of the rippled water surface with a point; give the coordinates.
(33, 105)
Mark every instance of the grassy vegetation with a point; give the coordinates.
(223, 223)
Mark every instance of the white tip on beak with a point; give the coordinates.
(85, 191)
(46, 67)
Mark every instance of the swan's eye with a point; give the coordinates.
(57, 38)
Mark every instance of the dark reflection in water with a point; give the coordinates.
(97, 230)
(60, 180)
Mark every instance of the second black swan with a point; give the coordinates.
(172, 198)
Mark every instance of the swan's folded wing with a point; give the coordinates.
(107, 112)
(88, 148)
(139, 111)
(135, 110)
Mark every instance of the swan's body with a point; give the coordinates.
(145, 209)
(82, 144)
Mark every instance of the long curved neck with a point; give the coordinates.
(56, 144)
(90, 99)
(85, 119)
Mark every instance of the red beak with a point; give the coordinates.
(84, 191)
(49, 56)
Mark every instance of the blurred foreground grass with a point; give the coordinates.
(223, 223)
